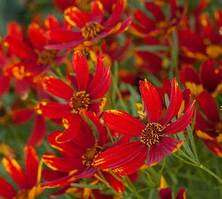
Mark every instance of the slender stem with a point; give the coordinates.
(196, 164)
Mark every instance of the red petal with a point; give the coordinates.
(151, 100)
(176, 97)
(67, 148)
(6, 191)
(101, 80)
(75, 17)
(19, 48)
(38, 132)
(4, 84)
(122, 122)
(62, 164)
(81, 68)
(54, 110)
(32, 165)
(165, 147)
(209, 106)
(37, 36)
(210, 75)
(101, 130)
(182, 122)
(214, 147)
(188, 74)
(165, 193)
(181, 194)
(22, 115)
(147, 23)
(117, 185)
(121, 156)
(116, 13)
(57, 87)
(15, 172)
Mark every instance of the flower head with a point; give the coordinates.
(152, 141)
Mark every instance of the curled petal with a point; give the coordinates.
(122, 122)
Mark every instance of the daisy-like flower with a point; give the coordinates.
(30, 58)
(208, 78)
(150, 141)
(88, 27)
(208, 123)
(26, 180)
(78, 145)
(86, 92)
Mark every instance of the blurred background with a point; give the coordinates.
(23, 10)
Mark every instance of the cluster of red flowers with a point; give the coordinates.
(77, 77)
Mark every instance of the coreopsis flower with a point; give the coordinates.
(204, 41)
(208, 77)
(151, 140)
(88, 27)
(158, 24)
(78, 147)
(85, 92)
(31, 59)
(26, 180)
(166, 193)
(208, 123)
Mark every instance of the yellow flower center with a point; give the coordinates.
(46, 57)
(151, 134)
(79, 101)
(90, 154)
(20, 73)
(91, 30)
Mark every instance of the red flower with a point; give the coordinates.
(33, 59)
(26, 180)
(159, 24)
(166, 193)
(78, 147)
(208, 123)
(88, 27)
(152, 139)
(208, 77)
(86, 92)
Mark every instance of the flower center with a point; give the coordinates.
(20, 73)
(79, 101)
(46, 57)
(91, 30)
(151, 134)
(90, 154)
